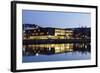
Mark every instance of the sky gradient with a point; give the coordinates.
(56, 19)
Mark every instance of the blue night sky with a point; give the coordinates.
(56, 19)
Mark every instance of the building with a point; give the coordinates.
(64, 33)
(37, 34)
(46, 33)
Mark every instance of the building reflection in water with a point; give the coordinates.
(48, 40)
(49, 49)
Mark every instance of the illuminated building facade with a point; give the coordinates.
(47, 33)
(51, 39)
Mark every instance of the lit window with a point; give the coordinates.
(36, 33)
(34, 30)
(47, 32)
(41, 33)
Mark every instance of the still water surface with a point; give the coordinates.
(56, 52)
(58, 57)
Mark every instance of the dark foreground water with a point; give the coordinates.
(58, 57)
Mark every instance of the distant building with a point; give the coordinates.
(33, 31)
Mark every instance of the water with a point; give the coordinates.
(56, 52)
(58, 57)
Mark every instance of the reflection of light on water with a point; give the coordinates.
(37, 54)
(55, 48)
(70, 49)
(49, 48)
(56, 52)
(85, 46)
(63, 48)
